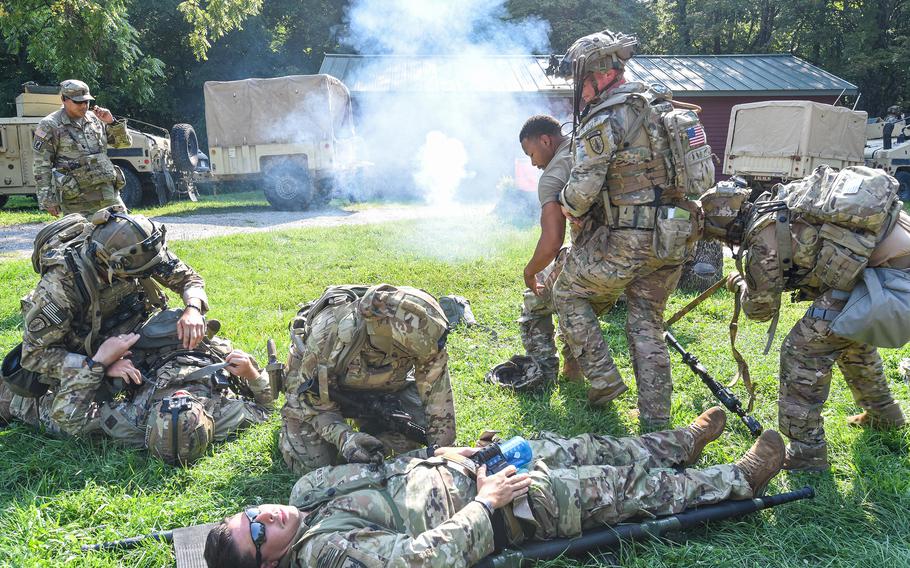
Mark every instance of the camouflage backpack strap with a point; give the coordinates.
(154, 296)
(87, 289)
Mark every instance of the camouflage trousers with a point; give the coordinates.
(536, 322)
(591, 481)
(597, 271)
(304, 449)
(807, 357)
(91, 200)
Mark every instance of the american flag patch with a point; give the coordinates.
(696, 136)
(53, 313)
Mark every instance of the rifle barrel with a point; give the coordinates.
(610, 537)
(132, 542)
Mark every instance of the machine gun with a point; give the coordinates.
(384, 408)
(722, 393)
(611, 537)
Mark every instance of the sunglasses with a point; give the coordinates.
(257, 532)
(80, 103)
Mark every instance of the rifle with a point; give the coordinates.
(611, 537)
(722, 393)
(385, 408)
(132, 542)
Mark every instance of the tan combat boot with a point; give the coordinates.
(806, 459)
(889, 418)
(571, 370)
(604, 390)
(705, 429)
(763, 461)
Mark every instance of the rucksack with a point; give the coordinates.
(70, 231)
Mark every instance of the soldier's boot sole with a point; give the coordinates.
(763, 461)
(705, 429)
(889, 418)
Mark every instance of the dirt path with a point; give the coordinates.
(17, 240)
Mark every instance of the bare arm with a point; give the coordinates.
(552, 236)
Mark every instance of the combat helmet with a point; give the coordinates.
(598, 52)
(725, 206)
(127, 245)
(179, 430)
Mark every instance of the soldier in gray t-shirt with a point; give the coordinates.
(543, 142)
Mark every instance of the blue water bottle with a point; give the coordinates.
(514, 451)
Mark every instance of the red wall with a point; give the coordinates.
(715, 114)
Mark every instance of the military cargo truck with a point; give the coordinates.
(293, 136)
(777, 141)
(888, 148)
(159, 166)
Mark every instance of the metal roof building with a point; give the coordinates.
(717, 81)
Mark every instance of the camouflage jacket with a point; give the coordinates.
(55, 317)
(371, 347)
(602, 141)
(411, 512)
(125, 420)
(60, 142)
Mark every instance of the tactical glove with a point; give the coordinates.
(359, 447)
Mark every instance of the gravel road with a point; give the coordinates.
(17, 240)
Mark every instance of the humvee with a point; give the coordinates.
(888, 148)
(293, 136)
(159, 166)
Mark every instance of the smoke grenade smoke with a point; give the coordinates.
(439, 112)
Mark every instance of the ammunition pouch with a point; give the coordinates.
(631, 178)
(65, 185)
(94, 169)
(676, 232)
(842, 257)
(19, 380)
(633, 216)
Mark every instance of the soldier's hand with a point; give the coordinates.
(191, 328)
(54, 210)
(114, 348)
(734, 281)
(572, 218)
(241, 365)
(360, 447)
(501, 488)
(124, 369)
(462, 451)
(532, 284)
(103, 114)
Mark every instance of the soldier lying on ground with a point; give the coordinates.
(438, 511)
(164, 388)
(819, 237)
(356, 352)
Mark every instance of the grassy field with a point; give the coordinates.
(56, 496)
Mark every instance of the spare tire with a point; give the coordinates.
(131, 192)
(184, 147)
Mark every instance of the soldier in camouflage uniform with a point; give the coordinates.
(71, 167)
(80, 317)
(431, 511)
(549, 150)
(784, 247)
(622, 198)
(365, 343)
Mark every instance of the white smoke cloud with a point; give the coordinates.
(441, 167)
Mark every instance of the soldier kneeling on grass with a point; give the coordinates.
(841, 240)
(376, 355)
(100, 353)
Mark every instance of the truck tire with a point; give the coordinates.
(3, 200)
(288, 186)
(131, 193)
(903, 192)
(184, 147)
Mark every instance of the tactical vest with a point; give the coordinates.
(826, 226)
(679, 166)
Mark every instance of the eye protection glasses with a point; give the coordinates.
(257, 532)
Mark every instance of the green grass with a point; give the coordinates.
(21, 209)
(56, 496)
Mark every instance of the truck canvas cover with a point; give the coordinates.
(796, 128)
(281, 110)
